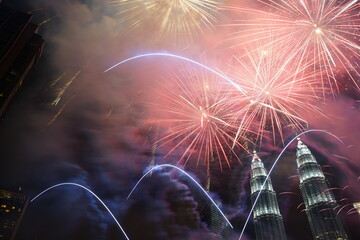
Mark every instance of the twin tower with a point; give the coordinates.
(319, 201)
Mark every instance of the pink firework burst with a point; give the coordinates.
(323, 31)
(195, 113)
(278, 92)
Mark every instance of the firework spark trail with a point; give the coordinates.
(344, 202)
(346, 205)
(299, 206)
(46, 21)
(197, 116)
(190, 177)
(169, 18)
(273, 93)
(355, 209)
(52, 120)
(60, 111)
(57, 80)
(60, 92)
(35, 10)
(276, 90)
(221, 75)
(289, 193)
(88, 190)
(272, 168)
(325, 31)
(352, 211)
(277, 106)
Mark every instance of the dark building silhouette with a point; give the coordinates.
(20, 49)
(268, 221)
(319, 200)
(12, 208)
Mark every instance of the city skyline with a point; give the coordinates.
(74, 122)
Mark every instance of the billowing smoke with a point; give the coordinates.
(74, 123)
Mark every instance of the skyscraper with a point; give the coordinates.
(319, 200)
(12, 207)
(20, 49)
(268, 221)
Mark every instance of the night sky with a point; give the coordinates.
(100, 135)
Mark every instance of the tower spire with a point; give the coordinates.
(299, 142)
(255, 157)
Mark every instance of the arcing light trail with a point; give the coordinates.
(262, 106)
(273, 166)
(182, 58)
(190, 177)
(88, 190)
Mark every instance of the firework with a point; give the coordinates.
(195, 112)
(60, 92)
(54, 82)
(277, 91)
(170, 18)
(182, 58)
(325, 31)
(159, 167)
(46, 21)
(53, 118)
(265, 92)
(88, 190)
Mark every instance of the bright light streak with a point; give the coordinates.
(170, 19)
(45, 21)
(272, 168)
(277, 91)
(283, 91)
(60, 92)
(190, 177)
(194, 114)
(326, 31)
(184, 59)
(56, 115)
(346, 205)
(88, 190)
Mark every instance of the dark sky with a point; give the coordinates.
(98, 135)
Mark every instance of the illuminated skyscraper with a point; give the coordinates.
(12, 207)
(268, 221)
(319, 200)
(20, 48)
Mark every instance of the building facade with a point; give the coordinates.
(319, 200)
(12, 208)
(20, 49)
(268, 221)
